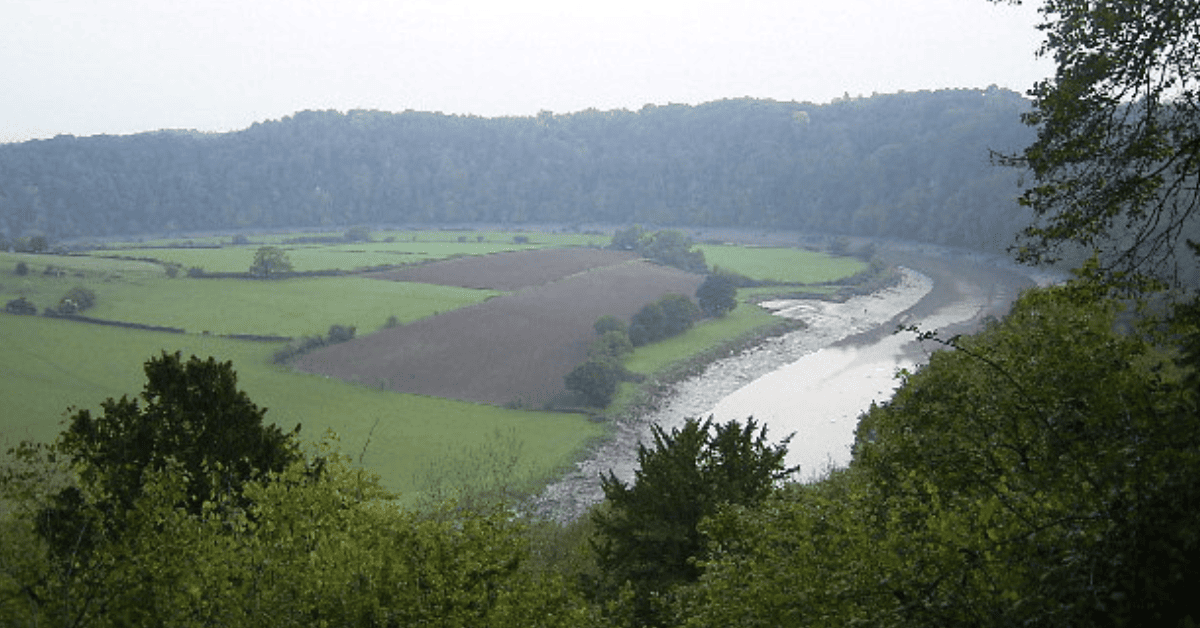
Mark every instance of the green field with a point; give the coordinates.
(51, 365)
(784, 265)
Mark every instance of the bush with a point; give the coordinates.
(669, 316)
(612, 346)
(595, 381)
(195, 272)
(22, 269)
(608, 323)
(20, 306)
(76, 300)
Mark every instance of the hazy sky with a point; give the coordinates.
(123, 66)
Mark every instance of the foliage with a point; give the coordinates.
(1117, 155)
(268, 261)
(665, 247)
(76, 300)
(608, 323)
(717, 296)
(647, 533)
(194, 420)
(328, 550)
(669, 316)
(337, 334)
(612, 346)
(594, 380)
(20, 305)
(858, 166)
(1039, 474)
(22, 269)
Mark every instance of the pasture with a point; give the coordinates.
(51, 365)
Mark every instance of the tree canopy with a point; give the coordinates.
(1116, 162)
(191, 418)
(910, 165)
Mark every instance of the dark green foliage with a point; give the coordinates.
(612, 346)
(340, 333)
(337, 334)
(1117, 154)
(76, 300)
(858, 166)
(647, 533)
(21, 306)
(1046, 472)
(608, 323)
(665, 247)
(269, 261)
(190, 414)
(22, 269)
(669, 316)
(717, 295)
(595, 381)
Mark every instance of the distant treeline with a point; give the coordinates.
(910, 165)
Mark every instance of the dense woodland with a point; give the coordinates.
(908, 165)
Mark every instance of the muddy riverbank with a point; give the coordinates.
(813, 382)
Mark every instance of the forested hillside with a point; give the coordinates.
(908, 165)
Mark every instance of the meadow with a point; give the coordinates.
(52, 365)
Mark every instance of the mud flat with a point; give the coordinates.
(814, 382)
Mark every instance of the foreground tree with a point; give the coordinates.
(1044, 473)
(647, 533)
(1116, 163)
(192, 418)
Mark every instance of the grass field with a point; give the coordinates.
(785, 265)
(51, 365)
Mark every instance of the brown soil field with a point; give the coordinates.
(512, 349)
(508, 271)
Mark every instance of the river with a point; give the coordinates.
(813, 383)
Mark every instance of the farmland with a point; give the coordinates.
(54, 364)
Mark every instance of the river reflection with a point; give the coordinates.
(819, 398)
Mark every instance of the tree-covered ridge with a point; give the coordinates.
(912, 165)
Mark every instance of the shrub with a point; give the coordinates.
(608, 323)
(22, 269)
(195, 272)
(595, 381)
(20, 306)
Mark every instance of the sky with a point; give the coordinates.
(87, 67)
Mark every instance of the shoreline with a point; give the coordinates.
(697, 395)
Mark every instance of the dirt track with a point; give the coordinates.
(513, 349)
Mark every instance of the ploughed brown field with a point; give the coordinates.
(515, 348)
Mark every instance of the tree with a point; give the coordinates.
(647, 324)
(1117, 157)
(594, 380)
(1038, 475)
(608, 323)
(193, 419)
(268, 261)
(717, 295)
(647, 533)
(611, 346)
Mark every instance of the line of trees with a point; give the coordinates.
(908, 165)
